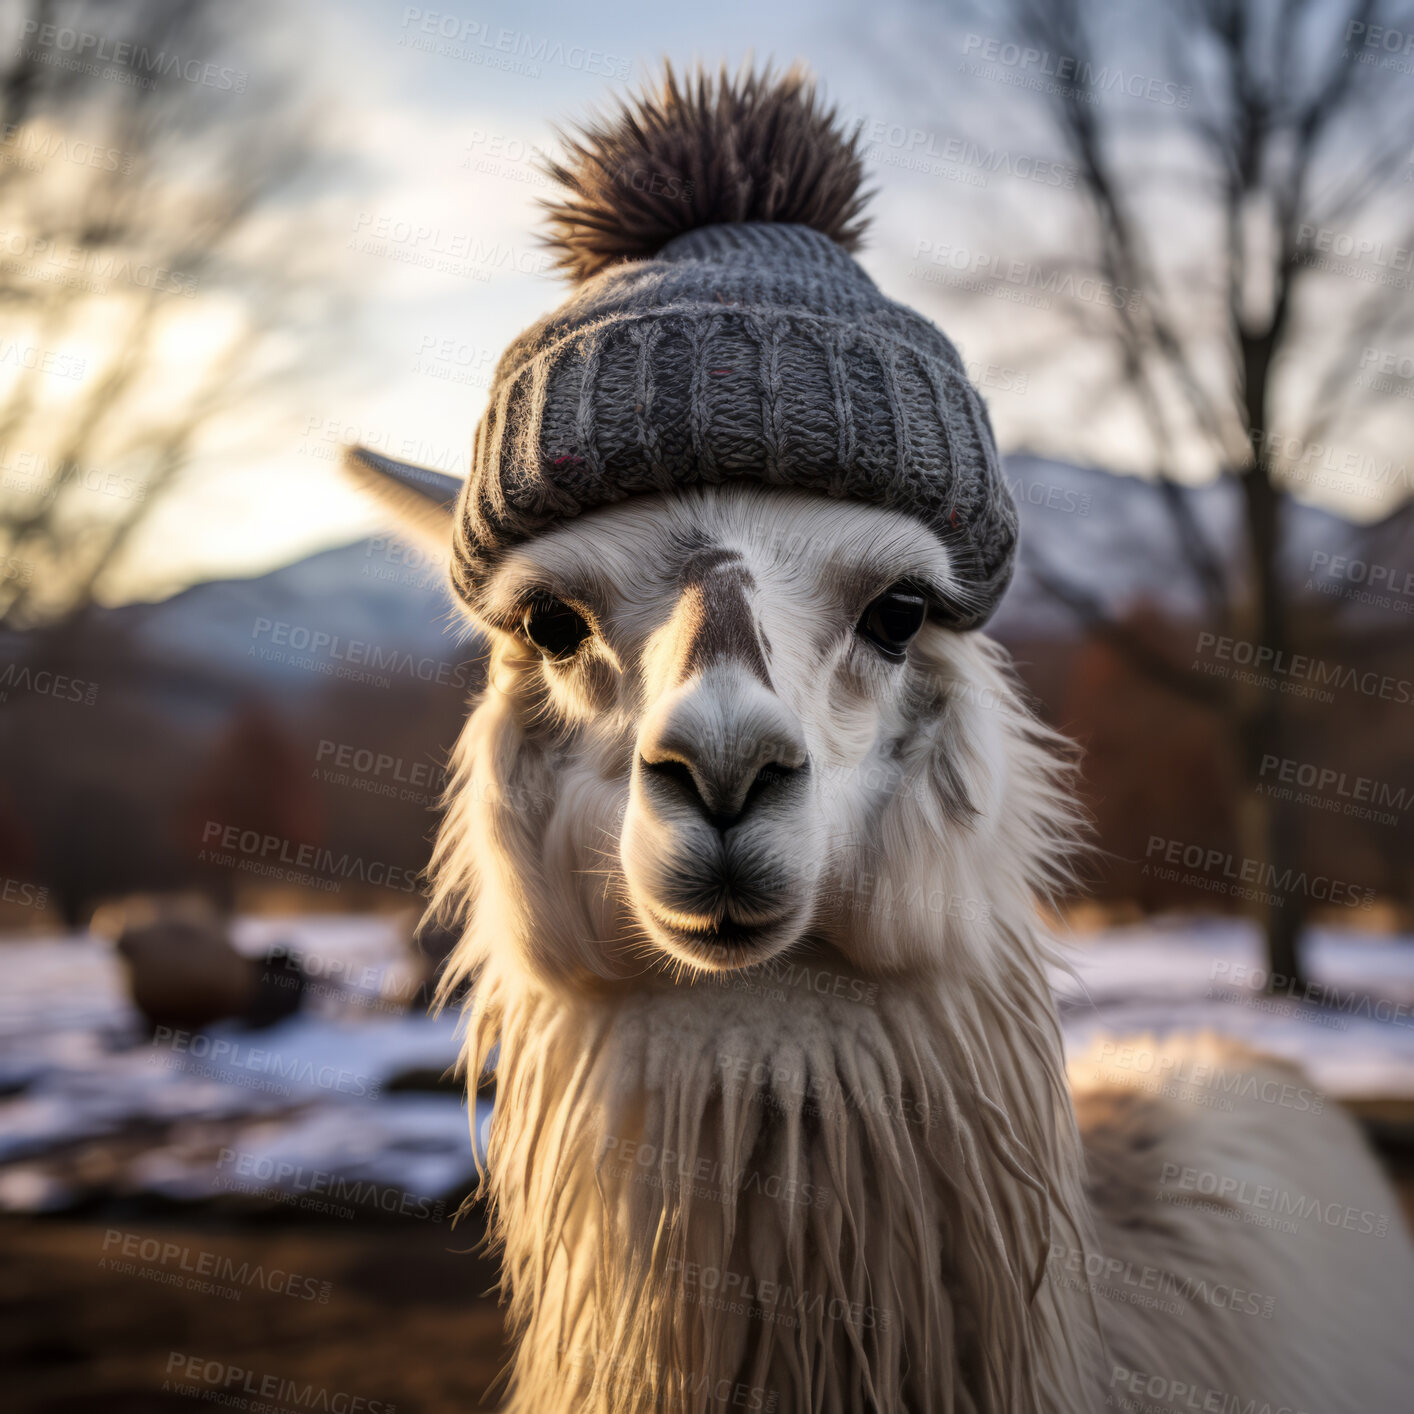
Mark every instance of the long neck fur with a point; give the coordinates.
(711, 1200)
(797, 1188)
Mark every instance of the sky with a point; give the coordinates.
(446, 134)
(438, 115)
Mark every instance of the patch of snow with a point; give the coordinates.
(401, 1157)
(77, 1071)
(300, 1113)
(1352, 1029)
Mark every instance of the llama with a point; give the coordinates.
(745, 838)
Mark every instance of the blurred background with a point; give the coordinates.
(1175, 245)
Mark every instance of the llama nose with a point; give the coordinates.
(723, 757)
(722, 800)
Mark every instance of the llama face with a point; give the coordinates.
(722, 724)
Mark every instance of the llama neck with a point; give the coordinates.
(796, 1190)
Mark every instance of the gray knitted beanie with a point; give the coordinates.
(722, 332)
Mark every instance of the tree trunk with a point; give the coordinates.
(1266, 829)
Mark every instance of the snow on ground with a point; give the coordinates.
(301, 1113)
(1352, 1029)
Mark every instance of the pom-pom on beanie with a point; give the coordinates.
(721, 331)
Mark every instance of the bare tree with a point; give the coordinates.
(1227, 154)
(161, 269)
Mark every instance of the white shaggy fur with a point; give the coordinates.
(831, 1162)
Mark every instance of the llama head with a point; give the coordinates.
(728, 718)
(734, 721)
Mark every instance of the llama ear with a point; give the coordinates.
(420, 502)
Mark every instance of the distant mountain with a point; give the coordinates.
(314, 704)
(1112, 534)
(253, 701)
(331, 614)
(1115, 536)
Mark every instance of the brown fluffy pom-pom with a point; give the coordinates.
(698, 151)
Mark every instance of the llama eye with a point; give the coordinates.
(553, 627)
(891, 621)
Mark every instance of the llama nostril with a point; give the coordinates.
(723, 804)
(679, 778)
(773, 773)
(678, 772)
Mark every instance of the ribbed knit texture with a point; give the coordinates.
(752, 352)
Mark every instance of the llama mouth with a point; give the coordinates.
(722, 943)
